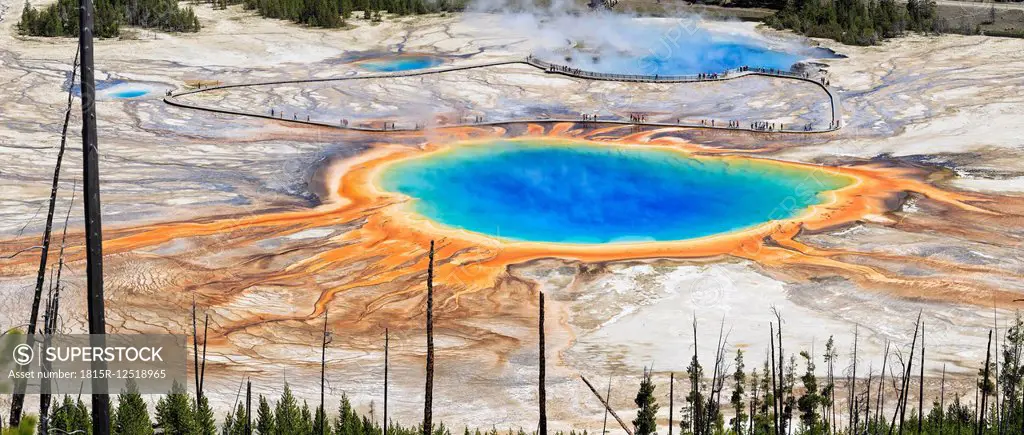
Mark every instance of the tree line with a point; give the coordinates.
(856, 22)
(61, 18)
(334, 13)
(780, 399)
(179, 413)
(784, 396)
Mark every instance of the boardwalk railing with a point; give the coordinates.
(174, 98)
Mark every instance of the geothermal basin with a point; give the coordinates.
(563, 191)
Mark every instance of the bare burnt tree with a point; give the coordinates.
(387, 339)
(195, 351)
(18, 400)
(995, 367)
(607, 407)
(608, 395)
(248, 407)
(428, 400)
(901, 405)
(323, 374)
(853, 381)
(781, 399)
(942, 401)
(985, 386)
(671, 399)
(202, 367)
(542, 426)
(93, 219)
(920, 386)
(880, 403)
(53, 313)
(775, 388)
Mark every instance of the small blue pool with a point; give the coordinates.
(131, 93)
(400, 63)
(118, 89)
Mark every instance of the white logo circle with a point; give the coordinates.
(23, 354)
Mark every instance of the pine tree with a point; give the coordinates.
(739, 378)
(320, 423)
(305, 420)
(645, 422)
(205, 421)
(264, 418)
(234, 422)
(175, 412)
(692, 419)
(763, 422)
(131, 416)
(71, 416)
(287, 415)
(809, 401)
(347, 422)
(827, 393)
(789, 404)
(370, 428)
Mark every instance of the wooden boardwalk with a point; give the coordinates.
(174, 98)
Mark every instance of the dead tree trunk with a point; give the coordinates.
(542, 428)
(607, 407)
(18, 400)
(53, 310)
(248, 407)
(775, 388)
(942, 401)
(323, 376)
(984, 386)
(195, 351)
(901, 404)
(202, 367)
(429, 393)
(93, 219)
(920, 387)
(387, 339)
(782, 371)
(906, 382)
(852, 425)
(671, 398)
(995, 367)
(880, 404)
(608, 395)
(867, 400)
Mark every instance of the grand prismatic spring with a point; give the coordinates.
(643, 173)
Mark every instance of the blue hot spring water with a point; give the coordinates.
(579, 192)
(648, 51)
(114, 89)
(400, 63)
(717, 57)
(130, 93)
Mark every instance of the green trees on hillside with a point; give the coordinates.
(333, 13)
(61, 18)
(855, 22)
